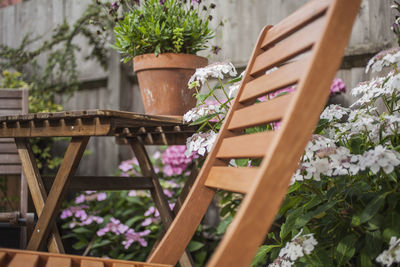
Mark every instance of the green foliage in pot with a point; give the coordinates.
(170, 26)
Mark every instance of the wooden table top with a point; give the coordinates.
(121, 124)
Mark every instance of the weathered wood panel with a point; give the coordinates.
(117, 88)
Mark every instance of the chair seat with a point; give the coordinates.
(25, 258)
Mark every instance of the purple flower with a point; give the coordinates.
(131, 236)
(65, 214)
(80, 199)
(161, 2)
(168, 193)
(126, 166)
(175, 160)
(147, 222)
(337, 87)
(216, 49)
(101, 196)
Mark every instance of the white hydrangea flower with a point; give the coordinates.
(200, 111)
(216, 70)
(379, 158)
(383, 59)
(299, 246)
(392, 255)
(381, 86)
(200, 143)
(334, 112)
(233, 89)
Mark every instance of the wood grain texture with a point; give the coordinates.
(24, 260)
(58, 262)
(293, 45)
(232, 179)
(284, 76)
(37, 189)
(262, 202)
(67, 169)
(75, 260)
(261, 113)
(91, 263)
(246, 146)
(199, 198)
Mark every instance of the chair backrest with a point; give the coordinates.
(307, 48)
(12, 102)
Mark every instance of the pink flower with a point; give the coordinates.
(175, 160)
(80, 199)
(101, 196)
(337, 87)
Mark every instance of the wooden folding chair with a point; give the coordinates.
(307, 48)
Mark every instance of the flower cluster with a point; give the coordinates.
(90, 196)
(79, 216)
(208, 108)
(216, 70)
(383, 59)
(299, 246)
(117, 228)
(338, 87)
(175, 160)
(392, 255)
(376, 88)
(200, 143)
(322, 156)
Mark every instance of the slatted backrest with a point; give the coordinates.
(306, 48)
(12, 102)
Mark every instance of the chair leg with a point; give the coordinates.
(58, 191)
(36, 187)
(157, 193)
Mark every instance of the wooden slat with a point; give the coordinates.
(91, 263)
(58, 191)
(231, 179)
(295, 44)
(9, 159)
(8, 148)
(284, 76)
(246, 146)
(82, 183)
(36, 188)
(10, 93)
(4, 112)
(10, 169)
(24, 260)
(124, 265)
(271, 110)
(3, 256)
(303, 15)
(11, 103)
(6, 140)
(58, 262)
(75, 260)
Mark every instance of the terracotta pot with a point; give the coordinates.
(163, 81)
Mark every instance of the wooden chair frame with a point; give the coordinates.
(307, 48)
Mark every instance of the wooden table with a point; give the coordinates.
(134, 129)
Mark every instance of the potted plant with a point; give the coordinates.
(162, 37)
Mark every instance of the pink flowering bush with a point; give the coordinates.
(125, 224)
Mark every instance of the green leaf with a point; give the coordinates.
(80, 244)
(321, 125)
(223, 225)
(345, 249)
(82, 230)
(195, 245)
(102, 243)
(373, 207)
(261, 255)
(205, 118)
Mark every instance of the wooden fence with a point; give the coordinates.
(117, 88)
